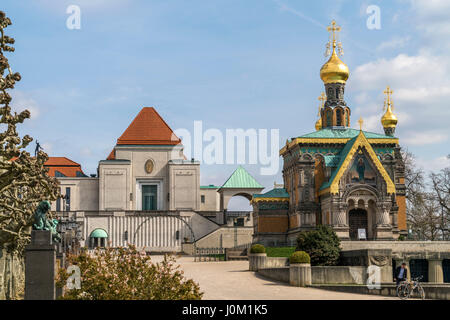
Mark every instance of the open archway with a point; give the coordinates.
(240, 202)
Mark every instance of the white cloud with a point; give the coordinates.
(47, 147)
(21, 101)
(435, 164)
(394, 43)
(424, 138)
(432, 18)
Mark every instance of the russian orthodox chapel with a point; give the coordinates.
(350, 179)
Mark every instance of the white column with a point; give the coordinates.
(435, 272)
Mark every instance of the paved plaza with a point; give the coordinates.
(231, 280)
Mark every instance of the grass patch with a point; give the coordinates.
(284, 252)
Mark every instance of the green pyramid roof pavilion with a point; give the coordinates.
(241, 179)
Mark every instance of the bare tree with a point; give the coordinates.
(440, 185)
(23, 179)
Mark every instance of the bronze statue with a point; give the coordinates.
(43, 222)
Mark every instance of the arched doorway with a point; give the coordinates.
(98, 238)
(357, 219)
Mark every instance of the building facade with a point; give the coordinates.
(350, 179)
(148, 194)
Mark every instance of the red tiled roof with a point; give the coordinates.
(148, 128)
(112, 155)
(60, 161)
(63, 165)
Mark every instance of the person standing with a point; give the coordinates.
(401, 273)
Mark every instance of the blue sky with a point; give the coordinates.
(232, 64)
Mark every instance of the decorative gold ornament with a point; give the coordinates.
(322, 100)
(389, 120)
(360, 142)
(334, 70)
(149, 165)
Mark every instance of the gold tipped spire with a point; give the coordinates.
(389, 120)
(334, 70)
(322, 100)
(361, 122)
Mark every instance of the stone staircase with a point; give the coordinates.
(232, 254)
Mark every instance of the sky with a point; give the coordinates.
(250, 64)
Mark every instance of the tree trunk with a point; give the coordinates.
(12, 275)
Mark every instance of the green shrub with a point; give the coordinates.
(300, 257)
(401, 237)
(257, 248)
(322, 245)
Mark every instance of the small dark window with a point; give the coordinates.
(67, 199)
(58, 203)
(338, 118)
(202, 198)
(239, 222)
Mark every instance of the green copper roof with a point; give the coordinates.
(332, 161)
(342, 155)
(346, 133)
(274, 193)
(241, 179)
(99, 233)
(211, 186)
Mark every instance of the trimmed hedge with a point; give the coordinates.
(257, 248)
(300, 257)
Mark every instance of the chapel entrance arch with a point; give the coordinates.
(357, 220)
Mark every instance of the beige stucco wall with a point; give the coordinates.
(184, 185)
(83, 193)
(212, 200)
(114, 186)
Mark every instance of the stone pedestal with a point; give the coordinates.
(384, 232)
(435, 273)
(342, 232)
(256, 261)
(40, 260)
(300, 274)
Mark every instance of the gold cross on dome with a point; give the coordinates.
(333, 29)
(388, 92)
(322, 100)
(360, 121)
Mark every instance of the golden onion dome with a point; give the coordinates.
(334, 70)
(319, 124)
(389, 120)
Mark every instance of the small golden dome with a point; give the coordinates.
(319, 124)
(389, 120)
(334, 70)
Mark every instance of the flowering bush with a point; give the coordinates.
(126, 274)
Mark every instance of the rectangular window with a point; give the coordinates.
(149, 197)
(67, 199)
(58, 203)
(202, 198)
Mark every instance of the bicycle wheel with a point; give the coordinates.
(402, 291)
(420, 293)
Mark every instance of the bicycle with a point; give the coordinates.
(406, 289)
